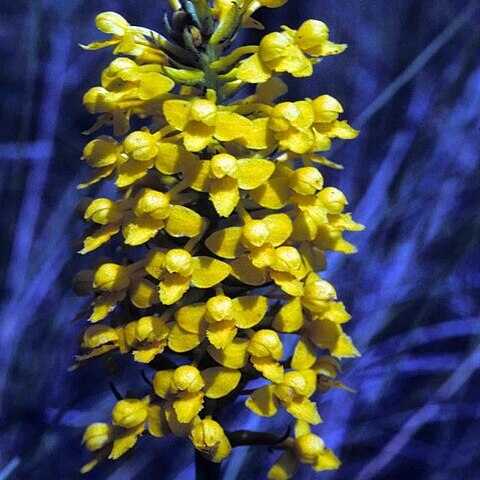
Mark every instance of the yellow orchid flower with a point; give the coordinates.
(224, 175)
(218, 320)
(218, 230)
(209, 438)
(201, 121)
(266, 349)
(127, 40)
(292, 392)
(127, 88)
(177, 269)
(186, 387)
(306, 448)
(287, 52)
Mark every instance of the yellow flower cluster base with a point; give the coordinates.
(218, 232)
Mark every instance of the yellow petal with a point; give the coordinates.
(220, 381)
(148, 354)
(224, 195)
(179, 429)
(233, 355)
(229, 126)
(131, 171)
(180, 340)
(101, 236)
(253, 172)
(125, 441)
(280, 226)
(153, 84)
(243, 270)
(226, 243)
(190, 318)
(284, 468)
(290, 317)
(303, 382)
(187, 405)
(198, 176)
(209, 272)
(326, 461)
(183, 222)
(288, 283)
(249, 310)
(143, 293)
(336, 313)
(220, 334)
(162, 382)
(303, 409)
(172, 158)
(273, 194)
(259, 137)
(96, 176)
(157, 422)
(253, 70)
(104, 304)
(197, 136)
(345, 348)
(262, 402)
(141, 229)
(155, 262)
(173, 287)
(269, 368)
(301, 428)
(305, 354)
(176, 113)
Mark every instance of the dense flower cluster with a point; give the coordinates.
(220, 230)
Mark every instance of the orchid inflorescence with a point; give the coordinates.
(220, 225)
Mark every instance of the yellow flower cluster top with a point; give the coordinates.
(218, 232)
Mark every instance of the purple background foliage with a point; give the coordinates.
(411, 81)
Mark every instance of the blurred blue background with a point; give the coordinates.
(410, 81)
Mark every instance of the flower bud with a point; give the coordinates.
(141, 145)
(333, 199)
(291, 114)
(151, 328)
(223, 165)
(187, 378)
(155, 262)
(155, 204)
(130, 412)
(99, 100)
(310, 34)
(179, 261)
(326, 109)
(111, 22)
(266, 343)
(255, 233)
(209, 438)
(317, 295)
(101, 152)
(308, 447)
(103, 211)
(97, 435)
(219, 308)
(111, 277)
(201, 108)
(287, 259)
(98, 335)
(306, 181)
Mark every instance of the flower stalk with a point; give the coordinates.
(214, 245)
